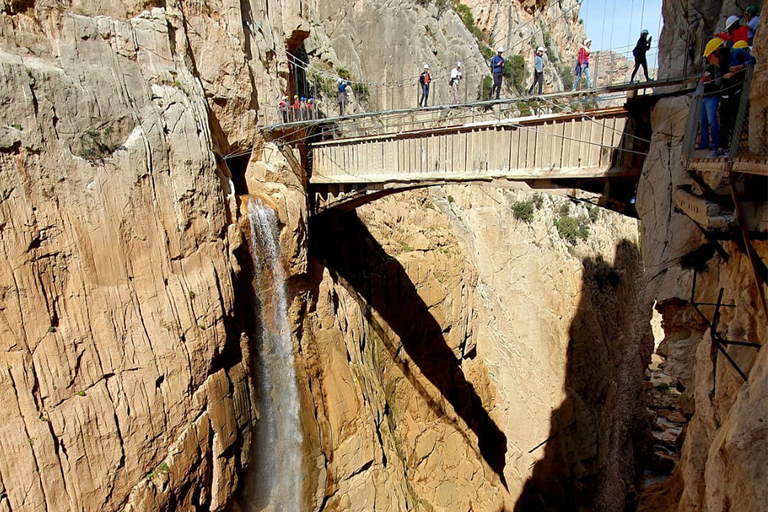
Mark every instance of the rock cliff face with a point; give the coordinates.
(472, 372)
(124, 371)
(450, 356)
(722, 460)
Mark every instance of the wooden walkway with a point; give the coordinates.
(550, 150)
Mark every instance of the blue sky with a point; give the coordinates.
(625, 18)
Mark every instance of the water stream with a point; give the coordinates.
(279, 436)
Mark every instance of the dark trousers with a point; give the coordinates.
(496, 86)
(640, 61)
(729, 106)
(424, 95)
(538, 77)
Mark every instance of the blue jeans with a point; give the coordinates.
(424, 94)
(584, 71)
(709, 122)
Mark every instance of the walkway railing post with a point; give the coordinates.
(693, 124)
(741, 113)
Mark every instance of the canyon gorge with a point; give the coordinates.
(179, 330)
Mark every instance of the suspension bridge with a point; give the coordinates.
(594, 142)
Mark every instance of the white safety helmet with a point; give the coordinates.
(426, 66)
(540, 49)
(644, 32)
(458, 64)
(730, 21)
(339, 80)
(500, 49)
(587, 41)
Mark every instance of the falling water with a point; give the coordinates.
(279, 442)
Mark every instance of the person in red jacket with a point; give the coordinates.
(735, 32)
(582, 68)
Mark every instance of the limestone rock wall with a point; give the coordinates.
(458, 358)
(717, 471)
(521, 27)
(125, 372)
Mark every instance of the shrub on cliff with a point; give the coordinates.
(571, 229)
(523, 210)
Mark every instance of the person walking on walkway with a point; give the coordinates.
(538, 70)
(343, 98)
(582, 68)
(424, 79)
(752, 19)
(641, 48)
(455, 81)
(497, 67)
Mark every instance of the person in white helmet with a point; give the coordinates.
(497, 67)
(736, 31)
(641, 48)
(582, 68)
(538, 70)
(455, 80)
(424, 80)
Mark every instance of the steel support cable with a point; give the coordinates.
(593, 120)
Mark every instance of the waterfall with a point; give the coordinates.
(279, 438)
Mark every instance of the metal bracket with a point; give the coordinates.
(717, 340)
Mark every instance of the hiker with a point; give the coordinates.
(424, 80)
(641, 48)
(455, 81)
(735, 32)
(724, 64)
(582, 68)
(296, 108)
(497, 67)
(538, 70)
(343, 99)
(303, 108)
(283, 105)
(310, 108)
(752, 19)
(741, 45)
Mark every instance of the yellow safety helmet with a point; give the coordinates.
(713, 45)
(740, 44)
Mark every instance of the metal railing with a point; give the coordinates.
(729, 132)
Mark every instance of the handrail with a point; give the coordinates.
(482, 104)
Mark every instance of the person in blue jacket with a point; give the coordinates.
(497, 67)
(731, 63)
(343, 98)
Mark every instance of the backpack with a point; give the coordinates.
(634, 52)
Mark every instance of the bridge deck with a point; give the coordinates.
(570, 146)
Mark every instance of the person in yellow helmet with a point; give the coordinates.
(721, 82)
(741, 45)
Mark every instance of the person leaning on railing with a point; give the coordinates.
(724, 79)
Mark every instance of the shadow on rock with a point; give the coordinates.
(598, 434)
(349, 251)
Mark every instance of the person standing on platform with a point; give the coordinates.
(582, 68)
(538, 70)
(424, 79)
(641, 48)
(497, 67)
(455, 81)
(343, 98)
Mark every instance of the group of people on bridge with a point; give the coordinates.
(728, 56)
(725, 58)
